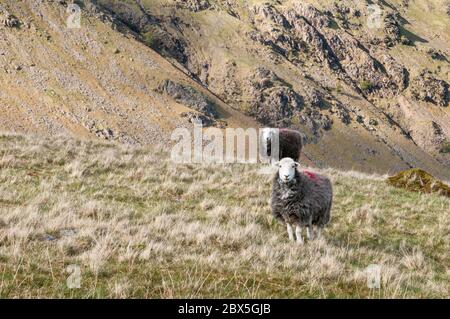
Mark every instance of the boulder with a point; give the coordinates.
(272, 29)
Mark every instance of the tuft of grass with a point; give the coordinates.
(148, 39)
(445, 148)
(137, 225)
(366, 85)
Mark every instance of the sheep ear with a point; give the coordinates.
(277, 164)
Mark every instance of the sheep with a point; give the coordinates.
(300, 199)
(8, 20)
(290, 142)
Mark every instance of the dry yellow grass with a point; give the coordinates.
(138, 225)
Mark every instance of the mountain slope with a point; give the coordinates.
(93, 81)
(316, 67)
(361, 103)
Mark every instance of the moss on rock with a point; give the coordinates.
(418, 180)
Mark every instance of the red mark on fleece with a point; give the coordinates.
(312, 176)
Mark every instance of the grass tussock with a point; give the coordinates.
(418, 180)
(138, 225)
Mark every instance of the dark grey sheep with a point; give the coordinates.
(290, 142)
(300, 199)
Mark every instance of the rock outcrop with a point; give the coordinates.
(317, 43)
(318, 19)
(391, 29)
(427, 88)
(188, 96)
(193, 5)
(205, 120)
(399, 75)
(270, 100)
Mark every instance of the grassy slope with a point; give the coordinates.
(140, 226)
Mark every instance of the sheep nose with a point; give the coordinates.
(286, 176)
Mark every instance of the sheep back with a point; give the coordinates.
(290, 144)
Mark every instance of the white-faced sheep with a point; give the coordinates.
(300, 199)
(8, 20)
(290, 142)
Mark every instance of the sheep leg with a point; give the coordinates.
(298, 234)
(309, 232)
(318, 232)
(290, 232)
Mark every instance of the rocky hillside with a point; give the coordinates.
(95, 81)
(367, 82)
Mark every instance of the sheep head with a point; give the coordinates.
(286, 169)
